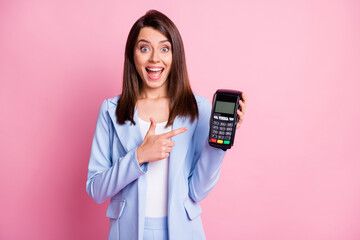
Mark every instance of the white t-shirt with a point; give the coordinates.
(157, 177)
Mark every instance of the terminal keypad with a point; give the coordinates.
(221, 129)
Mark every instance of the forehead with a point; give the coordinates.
(151, 34)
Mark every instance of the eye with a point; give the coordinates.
(165, 49)
(144, 49)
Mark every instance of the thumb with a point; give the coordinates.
(152, 127)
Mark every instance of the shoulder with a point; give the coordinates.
(109, 104)
(202, 102)
(113, 101)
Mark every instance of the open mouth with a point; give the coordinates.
(154, 73)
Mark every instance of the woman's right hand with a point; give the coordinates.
(156, 147)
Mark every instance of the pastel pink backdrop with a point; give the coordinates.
(294, 172)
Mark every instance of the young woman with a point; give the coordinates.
(150, 154)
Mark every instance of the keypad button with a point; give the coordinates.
(227, 138)
(226, 142)
(220, 141)
(213, 140)
(221, 137)
(231, 119)
(216, 117)
(216, 123)
(214, 131)
(222, 124)
(213, 136)
(222, 128)
(221, 133)
(229, 124)
(227, 133)
(215, 127)
(228, 129)
(223, 118)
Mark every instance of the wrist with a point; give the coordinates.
(139, 156)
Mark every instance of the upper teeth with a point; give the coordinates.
(154, 69)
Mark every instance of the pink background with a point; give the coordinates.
(294, 172)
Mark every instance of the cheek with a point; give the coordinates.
(168, 60)
(138, 68)
(138, 64)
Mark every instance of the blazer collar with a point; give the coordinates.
(130, 135)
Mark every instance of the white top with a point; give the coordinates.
(157, 177)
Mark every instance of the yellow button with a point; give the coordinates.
(220, 141)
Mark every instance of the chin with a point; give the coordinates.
(155, 85)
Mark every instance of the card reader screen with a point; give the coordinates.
(224, 107)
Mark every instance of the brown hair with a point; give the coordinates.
(182, 99)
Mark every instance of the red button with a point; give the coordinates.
(213, 140)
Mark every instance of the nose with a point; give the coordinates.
(154, 56)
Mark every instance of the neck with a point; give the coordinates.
(153, 93)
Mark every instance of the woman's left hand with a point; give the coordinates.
(243, 105)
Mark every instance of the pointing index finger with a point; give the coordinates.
(174, 132)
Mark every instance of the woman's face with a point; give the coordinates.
(153, 58)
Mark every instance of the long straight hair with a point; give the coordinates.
(182, 99)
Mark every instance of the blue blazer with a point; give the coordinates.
(114, 172)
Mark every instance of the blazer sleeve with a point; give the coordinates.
(107, 176)
(207, 160)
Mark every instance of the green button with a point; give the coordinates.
(226, 142)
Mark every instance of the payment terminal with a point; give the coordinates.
(224, 118)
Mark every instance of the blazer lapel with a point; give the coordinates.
(129, 134)
(179, 151)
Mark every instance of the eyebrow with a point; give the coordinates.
(143, 40)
